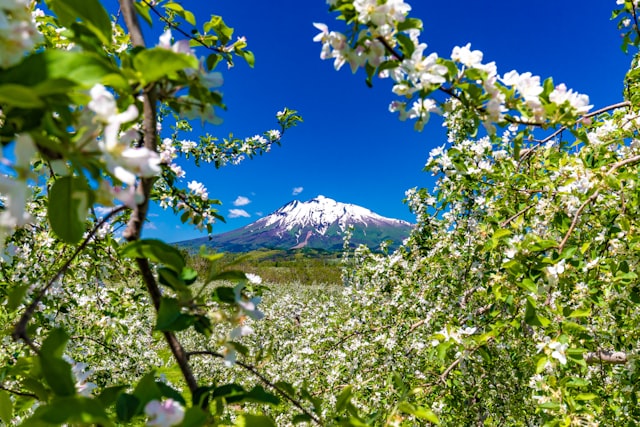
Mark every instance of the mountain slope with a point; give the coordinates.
(319, 223)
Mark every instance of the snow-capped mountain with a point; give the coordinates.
(319, 223)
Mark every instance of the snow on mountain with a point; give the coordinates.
(322, 212)
(319, 223)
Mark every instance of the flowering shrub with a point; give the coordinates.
(514, 301)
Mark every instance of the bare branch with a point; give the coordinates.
(264, 380)
(608, 357)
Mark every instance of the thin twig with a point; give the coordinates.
(516, 215)
(20, 329)
(263, 379)
(447, 371)
(180, 30)
(591, 198)
(635, 19)
(563, 128)
(18, 393)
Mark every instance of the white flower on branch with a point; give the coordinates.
(123, 161)
(164, 414)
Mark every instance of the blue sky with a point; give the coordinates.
(350, 148)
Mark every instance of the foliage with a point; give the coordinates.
(514, 301)
(304, 266)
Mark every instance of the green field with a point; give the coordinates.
(303, 266)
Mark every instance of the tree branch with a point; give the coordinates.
(20, 329)
(180, 30)
(18, 393)
(139, 214)
(591, 198)
(529, 153)
(263, 379)
(608, 357)
(516, 215)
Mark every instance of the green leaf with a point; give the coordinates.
(110, 395)
(127, 406)
(170, 278)
(301, 418)
(406, 44)
(36, 387)
(213, 60)
(531, 317)
(343, 398)
(216, 24)
(194, 417)
(144, 11)
(410, 23)
(19, 96)
(231, 392)
(189, 275)
(6, 407)
(576, 382)
(202, 325)
(259, 395)
(419, 412)
(71, 410)
(171, 393)
(548, 86)
(248, 420)
(541, 364)
(550, 405)
(170, 317)
(586, 396)
(57, 372)
(248, 56)
(155, 251)
(224, 294)
(16, 295)
(500, 233)
(286, 387)
(581, 312)
(230, 275)
(529, 285)
(157, 63)
(182, 12)
(54, 345)
(69, 201)
(58, 375)
(90, 12)
(542, 245)
(147, 389)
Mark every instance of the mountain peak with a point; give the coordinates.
(316, 223)
(320, 213)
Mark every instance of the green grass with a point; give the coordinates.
(304, 266)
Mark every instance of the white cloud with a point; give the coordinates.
(236, 213)
(297, 190)
(241, 201)
(102, 210)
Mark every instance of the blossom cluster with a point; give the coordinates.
(18, 32)
(417, 72)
